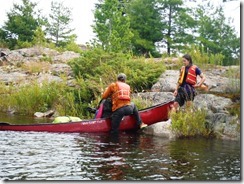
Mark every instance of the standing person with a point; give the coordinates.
(185, 89)
(119, 92)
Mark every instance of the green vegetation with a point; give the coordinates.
(190, 122)
(100, 68)
(138, 27)
(140, 102)
(35, 67)
(57, 26)
(204, 60)
(112, 27)
(128, 35)
(35, 97)
(94, 71)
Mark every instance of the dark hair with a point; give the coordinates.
(188, 58)
(121, 77)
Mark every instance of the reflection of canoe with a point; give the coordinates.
(149, 116)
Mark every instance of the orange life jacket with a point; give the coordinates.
(123, 92)
(191, 77)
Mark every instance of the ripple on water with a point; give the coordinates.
(57, 156)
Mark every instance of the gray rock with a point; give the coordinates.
(222, 123)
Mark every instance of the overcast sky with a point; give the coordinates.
(82, 14)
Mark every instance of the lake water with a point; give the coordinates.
(130, 156)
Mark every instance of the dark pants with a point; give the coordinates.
(120, 113)
(185, 94)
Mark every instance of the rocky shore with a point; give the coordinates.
(215, 101)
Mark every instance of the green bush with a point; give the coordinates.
(31, 98)
(94, 71)
(189, 122)
(140, 102)
(5, 93)
(100, 68)
(36, 97)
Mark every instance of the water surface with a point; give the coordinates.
(131, 156)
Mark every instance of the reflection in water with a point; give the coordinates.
(207, 159)
(14, 119)
(130, 156)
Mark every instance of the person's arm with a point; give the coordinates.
(108, 92)
(202, 76)
(202, 79)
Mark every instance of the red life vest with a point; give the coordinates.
(191, 77)
(123, 92)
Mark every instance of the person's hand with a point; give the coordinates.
(197, 85)
(175, 92)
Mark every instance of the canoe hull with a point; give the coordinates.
(149, 116)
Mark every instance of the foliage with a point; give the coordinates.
(58, 29)
(112, 27)
(189, 122)
(234, 110)
(39, 37)
(101, 68)
(5, 92)
(34, 97)
(212, 28)
(72, 46)
(21, 25)
(40, 97)
(3, 36)
(94, 71)
(140, 102)
(216, 59)
(203, 59)
(143, 73)
(146, 26)
(138, 27)
(178, 25)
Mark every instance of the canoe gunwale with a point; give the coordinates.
(149, 116)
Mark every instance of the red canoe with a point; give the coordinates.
(149, 116)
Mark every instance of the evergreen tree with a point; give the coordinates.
(22, 22)
(39, 37)
(178, 25)
(58, 29)
(216, 35)
(112, 26)
(146, 26)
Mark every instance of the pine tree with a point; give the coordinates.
(22, 22)
(58, 26)
(112, 26)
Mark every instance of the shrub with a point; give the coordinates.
(141, 103)
(189, 122)
(40, 97)
(33, 97)
(100, 68)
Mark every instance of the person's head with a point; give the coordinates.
(121, 77)
(187, 60)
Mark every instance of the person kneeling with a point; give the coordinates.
(119, 92)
